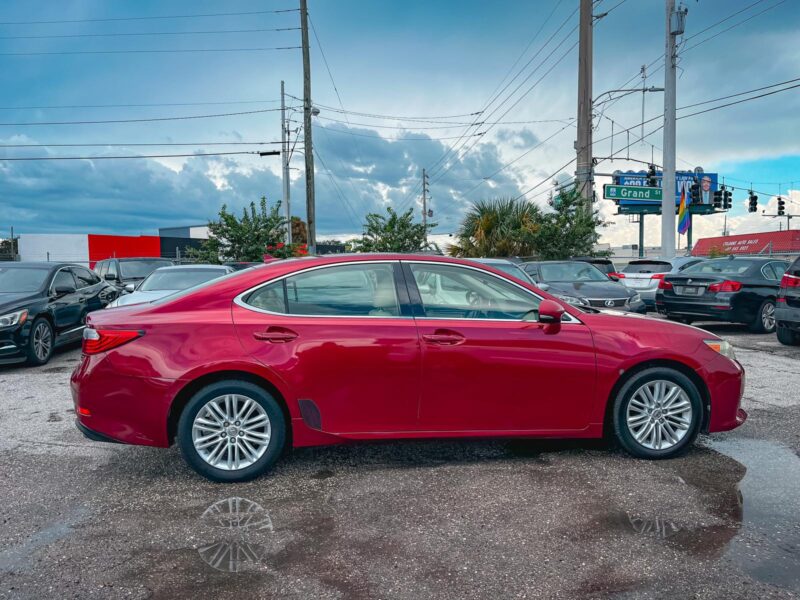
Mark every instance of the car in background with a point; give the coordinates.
(239, 265)
(168, 280)
(505, 265)
(733, 289)
(787, 307)
(603, 264)
(582, 284)
(120, 272)
(643, 275)
(44, 305)
(295, 353)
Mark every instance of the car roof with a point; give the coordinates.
(127, 258)
(38, 265)
(494, 261)
(193, 267)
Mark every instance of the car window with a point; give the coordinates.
(571, 271)
(101, 268)
(15, 280)
(84, 277)
(139, 269)
(685, 266)
(779, 268)
(451, 292)
(270, 297)
(721, 266)
(794, 269)
(112, 268)
(63, 279)
(768, 271)
(178, 279)
(647, 266)
(363, 290)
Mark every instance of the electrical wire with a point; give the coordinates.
(37, 158)
(70, 106)
(170, 51)
(387, 117)
(351, 215)
(122, 145)
(407, 139)
(104, 35)
(150, 18)
(568, 120)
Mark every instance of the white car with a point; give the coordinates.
(169, 280)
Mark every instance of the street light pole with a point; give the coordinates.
(285, 156)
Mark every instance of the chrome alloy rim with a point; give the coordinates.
(42, 341)
(659, 414)
(768, 316)
(231, 432)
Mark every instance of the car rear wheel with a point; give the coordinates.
(657, 413)
(40, 342)
(765, 318)
(787, 337)
(231, 431)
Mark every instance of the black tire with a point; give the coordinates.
(757, 325)
(787, 337)
(200, 400)
(619, 413)
(41, 330)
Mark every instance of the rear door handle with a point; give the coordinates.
(444, 339)
(275, 335)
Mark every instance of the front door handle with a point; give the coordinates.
(275, 335)
(441, 338)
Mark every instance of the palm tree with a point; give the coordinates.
(498, 227)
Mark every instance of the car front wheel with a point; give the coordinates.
(40, 342)
(231, 431)
(657, 413)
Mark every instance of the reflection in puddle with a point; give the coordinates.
(657, 527)
(240, 519)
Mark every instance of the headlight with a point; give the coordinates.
(722, 347)
(635, 298)
(572, 300)
(14, 318)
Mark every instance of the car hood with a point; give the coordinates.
(590, 289)
(142, 297)
(11, 300)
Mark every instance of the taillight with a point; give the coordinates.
(664, 284)
(96, 341)
(617, 275)
(725, 286)
(790, 281)
(657, 276)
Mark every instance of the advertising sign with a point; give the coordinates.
(683, 179)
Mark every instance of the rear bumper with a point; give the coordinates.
(94, 435)
(787, 316)
(719, 310)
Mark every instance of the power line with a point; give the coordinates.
(766, 87)
(37, 158)
(450, 126)
(700, 112)
(170, 51)
(70, 106)
(122, 145)
(751, 17)
(387, 117)
(345, 202)
(149, 18)
(407, 139)
(143, 120)
(104, 35)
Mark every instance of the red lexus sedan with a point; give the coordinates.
(316, 351)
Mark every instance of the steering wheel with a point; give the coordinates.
(479, 305)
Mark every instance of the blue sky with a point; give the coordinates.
(407, 59)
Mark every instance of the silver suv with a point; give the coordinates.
(644, 274)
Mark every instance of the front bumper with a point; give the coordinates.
(13, 341)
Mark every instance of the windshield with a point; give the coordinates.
(570, 271)
(139, 269)
(654, 266)
(722, 266)
(512, 270)
(15, 280)
(178, 279)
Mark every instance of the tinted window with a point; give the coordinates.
(641, 266)
(511, 270)
(63, 279)
(570, 271)
(450, 292)
(178, 279)
(84, 277)
(347, 290)
(795, 268)
(101, 268)
(19, 279)
(112, 268)
(779, 268)
(768, 272)
(139, 269)
(688, 264)
(721, 266)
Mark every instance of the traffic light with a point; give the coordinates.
(726, 198)
(753, 203)
(652, 181)
(694, 192)
(718, 199)
(781, 207)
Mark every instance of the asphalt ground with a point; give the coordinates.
(432, 519)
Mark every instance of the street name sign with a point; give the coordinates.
(631, 192)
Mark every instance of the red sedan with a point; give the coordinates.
(317, 351)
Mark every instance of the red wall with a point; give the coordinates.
(122, 246)
(751, 243)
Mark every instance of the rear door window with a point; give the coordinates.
(641, 266)
(84, 277)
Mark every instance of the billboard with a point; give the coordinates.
(683, 180)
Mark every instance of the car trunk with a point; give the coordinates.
(689, 288)
(642, 275)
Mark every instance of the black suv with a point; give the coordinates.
(787, 308)
(126, 273)
(44, 305)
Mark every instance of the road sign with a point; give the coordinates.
(631, 192)
(683, 181)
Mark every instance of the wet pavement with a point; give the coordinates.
(454, 519)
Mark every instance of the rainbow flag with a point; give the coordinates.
(684, 216)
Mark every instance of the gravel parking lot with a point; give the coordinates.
(464, 519)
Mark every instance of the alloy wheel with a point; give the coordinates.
(768, 316)
(231, 432)
(659, 414)
(42, 341)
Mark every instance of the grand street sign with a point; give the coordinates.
(631, 192)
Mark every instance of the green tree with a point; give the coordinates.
(499, 227)
(568, 230)
(242, 239)
(392, 233)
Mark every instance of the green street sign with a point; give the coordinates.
(631, 192)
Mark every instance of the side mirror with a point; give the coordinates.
(62, 290)
(110, 277)
(130, 287)
(550, 312)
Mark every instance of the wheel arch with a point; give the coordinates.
(676, 365)
(185, 394)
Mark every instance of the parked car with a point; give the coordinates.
(43, 306)
(605, 265)
(734, 289)
(338, 348)
(239, 265)
(507, 266)
(787, 307)
(643, 275)
(121, 272)
(582, 284)
(168, 280)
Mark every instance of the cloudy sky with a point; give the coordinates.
(411, 76)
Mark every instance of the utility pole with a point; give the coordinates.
(675, 27)
(308, 149)
(285, 155)
(583, 172)
(425, 204)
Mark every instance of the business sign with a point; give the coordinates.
(768, 242)
(631, 192)
(683, 181)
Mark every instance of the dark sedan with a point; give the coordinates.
(582, 284)
(43, 306)
(736, 290)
